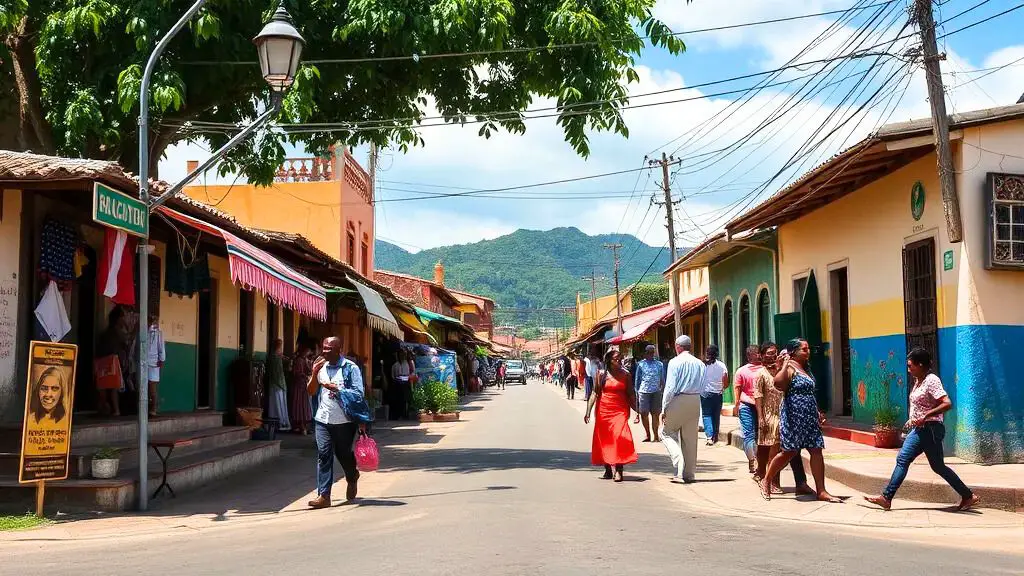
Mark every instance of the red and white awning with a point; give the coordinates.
(639, 322)
(254, 269)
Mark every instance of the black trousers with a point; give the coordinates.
(570, 387)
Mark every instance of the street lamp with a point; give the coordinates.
(280, 46)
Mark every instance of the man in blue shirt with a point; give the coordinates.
(335, 432)
(681, 406)
(650, 381)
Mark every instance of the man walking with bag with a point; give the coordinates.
(681, 407)
(336, 386)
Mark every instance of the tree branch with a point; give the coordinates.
(26, 80)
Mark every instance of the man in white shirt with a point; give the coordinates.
(593, 367)
(335, 433)
(156, 355)
(681, 409)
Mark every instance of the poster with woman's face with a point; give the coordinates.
(46, 432)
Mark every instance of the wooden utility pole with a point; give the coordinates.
(673, 288)
(593, 292)
(940, 120)
(618, 301)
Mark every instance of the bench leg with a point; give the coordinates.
(163, 462)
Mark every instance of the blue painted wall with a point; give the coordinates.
(981, 368)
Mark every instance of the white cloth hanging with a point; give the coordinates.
(52, 315)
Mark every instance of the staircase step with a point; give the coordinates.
(185, 472)
(106, 432)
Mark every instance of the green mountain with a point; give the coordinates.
(532, 269)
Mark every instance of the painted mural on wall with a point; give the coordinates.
(879, 381)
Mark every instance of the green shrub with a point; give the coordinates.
(435, 397)
(106, 454)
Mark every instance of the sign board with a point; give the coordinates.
(917, 199)
(116, 210)
(46, 432)
(947, 260)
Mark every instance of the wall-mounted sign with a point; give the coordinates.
(947, 260)
(46, 432)
(116, 210)
(917, 200)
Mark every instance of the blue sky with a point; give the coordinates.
(455, 158)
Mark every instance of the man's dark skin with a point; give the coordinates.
(330, 352)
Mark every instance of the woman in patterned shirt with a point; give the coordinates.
(928, 401)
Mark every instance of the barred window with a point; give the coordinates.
(1006, 220)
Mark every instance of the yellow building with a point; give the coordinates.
(329, 201)
(590, 312)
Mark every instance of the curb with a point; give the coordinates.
(998, 497)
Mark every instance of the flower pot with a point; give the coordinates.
(446, 417)
(105, 468)
(426, 417)
(887, 437)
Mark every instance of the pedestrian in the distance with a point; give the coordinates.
(593, 366)
(681, 409)
(277, 386)
(573, 380)
(299, 411)
(800, 419)
(928, 402)
(613, 440)
(650, 376)
(157, 355)
(745, 407)
(716, 378)
(769, 403)
(335, 432)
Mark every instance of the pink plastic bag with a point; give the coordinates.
(367, 455)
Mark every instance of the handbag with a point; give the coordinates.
(355, 405)
(367, 455)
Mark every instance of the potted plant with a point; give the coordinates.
(887, 425)
(436, 401)
(419, 404)
(105, 463)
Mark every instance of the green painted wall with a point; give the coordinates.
(225, 356)
(178, 379)
(746, 270)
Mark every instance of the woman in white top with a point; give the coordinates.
(716, 378)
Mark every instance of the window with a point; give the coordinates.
(714, 324)
(351, 249)
(764, 316)
(1006, 221)
(744, 324)
(365, 259)
(727, 319)
(799, 286)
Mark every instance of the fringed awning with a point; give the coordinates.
(254, 269)
(378, 316)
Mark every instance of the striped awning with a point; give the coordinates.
(377, 314)
(254, 269)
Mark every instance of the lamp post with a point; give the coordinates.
(279, 46)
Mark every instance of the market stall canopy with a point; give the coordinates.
(377, 314)
(413, 322)
(638, 324)
(255, 269)
(428, 317)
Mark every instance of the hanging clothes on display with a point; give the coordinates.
(52, 315)
(57, 244)
(116, 275)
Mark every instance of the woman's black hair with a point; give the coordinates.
(921, 357)
(712, 352)
(794, 345)
(608, 357)
(766, 345)
(36, 407)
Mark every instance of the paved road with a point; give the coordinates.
(510, 491)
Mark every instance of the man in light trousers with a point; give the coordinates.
(681, 409)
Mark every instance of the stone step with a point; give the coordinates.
(105, 432)
(118, 494)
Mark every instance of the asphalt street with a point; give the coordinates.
(511, 491)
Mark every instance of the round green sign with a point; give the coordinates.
(917, 200)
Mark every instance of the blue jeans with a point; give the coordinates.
(334, 440)
(711, 410)
(748, 423)
(926, 439)
(588, 387)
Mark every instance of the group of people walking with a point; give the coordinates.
(776, 406)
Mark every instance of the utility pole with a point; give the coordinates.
(673, 289)
(940, 120)
(593, 292)
(618, 302)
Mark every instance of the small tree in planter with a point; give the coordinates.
(105, 463)
(436, 401)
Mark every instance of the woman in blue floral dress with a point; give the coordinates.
(800, 426)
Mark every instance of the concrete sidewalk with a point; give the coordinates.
(724, 486)
(276, 491)
(868, 469)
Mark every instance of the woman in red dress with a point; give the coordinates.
(614, 396)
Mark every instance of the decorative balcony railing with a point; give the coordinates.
(306, 170)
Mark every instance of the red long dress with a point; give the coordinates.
(613, 440)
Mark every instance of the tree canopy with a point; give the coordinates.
(76, 66)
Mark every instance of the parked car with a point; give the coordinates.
(515, 371)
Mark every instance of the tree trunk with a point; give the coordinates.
(36, 131)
